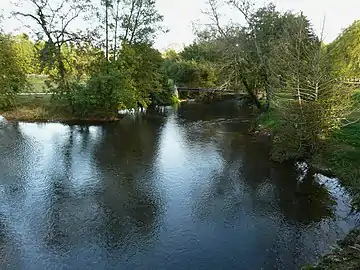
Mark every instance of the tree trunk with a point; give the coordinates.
(136, 22)
(116, 28)
(128, 24)
(107, 29)
(253, 97)
(266, 107)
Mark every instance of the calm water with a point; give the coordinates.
(177, 189)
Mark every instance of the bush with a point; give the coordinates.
(303, 127)
(105, 93)
(164, 97)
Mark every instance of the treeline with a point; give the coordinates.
(285, 69)
(107, 64)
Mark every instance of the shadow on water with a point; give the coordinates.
(184, 188)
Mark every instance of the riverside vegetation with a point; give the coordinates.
(293, 79)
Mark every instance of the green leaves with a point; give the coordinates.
(189, 72)
(12, 77)
(120, 84)
(344, 52)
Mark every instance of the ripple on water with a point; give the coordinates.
(178, 191)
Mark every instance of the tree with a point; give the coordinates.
(245, 48)
(80, 59)
(310, 102)
(130, 80)
(107, 4)
(131, 22)
(344, 52)
(189, 73)
(52, 25)
(140, 22)
(201, 51)
(12, 78)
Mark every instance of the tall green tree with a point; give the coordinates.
(129, 22)
(52, 23)
(246, 50)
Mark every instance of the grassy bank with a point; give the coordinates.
(339, 154)
(345, 256)
(42, 108)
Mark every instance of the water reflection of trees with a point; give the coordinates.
(249, 190)
(248, 173)
(205, 112)
(87, 188)
(129, 197)
(117, 207)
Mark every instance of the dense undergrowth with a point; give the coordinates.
(338, 154)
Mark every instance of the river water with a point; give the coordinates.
(183, 188)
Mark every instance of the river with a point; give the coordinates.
(183, 188)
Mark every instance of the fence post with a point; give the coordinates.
(175, 91)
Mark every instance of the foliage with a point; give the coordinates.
(164, 96)
(344, 52)
(26, 51)
(108, 90)
(190, 73)
(80, 72)
(244, 53)
(12, 78)
(303, 127)
(343, 256)
(128, 22)
(311, 103)
(51, 24)
(144, 63)
(123, 83)
(79, 59)
(202, 51)
(341, 153)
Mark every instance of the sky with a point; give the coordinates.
(180, 15)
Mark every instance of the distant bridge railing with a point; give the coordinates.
(192, 89)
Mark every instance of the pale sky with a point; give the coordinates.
(179, 15)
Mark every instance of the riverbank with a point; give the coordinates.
(40, 108)
(338, 156)
(345, 256)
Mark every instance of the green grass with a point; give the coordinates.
(269, 121)
(339, 154)
(43, 108)
(37, 108)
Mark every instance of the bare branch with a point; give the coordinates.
(215, 16)
(351, 123)
(28, 15)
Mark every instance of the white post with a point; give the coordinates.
(176, 92)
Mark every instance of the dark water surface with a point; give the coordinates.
(179, 189)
